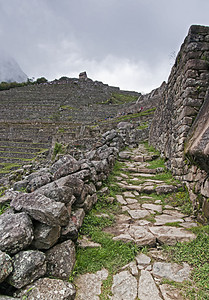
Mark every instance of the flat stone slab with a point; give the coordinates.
(142, 235)
(85, 242)
(89, 285)
(142, 259)
(171, 235)
(154, 207)
(125, 237)
(169, 292)
(163, 219)
(138, 214)
(171, 271)
(147, 288)
(131, 200)
(128, 194)
(124, 286)
(121, 200)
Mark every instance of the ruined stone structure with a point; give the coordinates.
(180, 126)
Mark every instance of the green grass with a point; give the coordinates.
(143, 125)
(196, 254)
(3, 208)
(150, 148)
(156, 163)
(117, 98)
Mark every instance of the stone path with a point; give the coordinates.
(146, 222)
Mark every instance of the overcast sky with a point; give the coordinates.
(126, 43)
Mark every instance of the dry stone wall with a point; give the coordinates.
(173, 131)
(42, 224)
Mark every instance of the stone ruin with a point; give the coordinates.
(83, 75)
(51, 211)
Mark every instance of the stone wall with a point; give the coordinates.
(42, 223)
(173, 125)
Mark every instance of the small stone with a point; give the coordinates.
(128, 194)
(147, 288)
(171, 235)
(85, 242)
(138, 214)
(120, 199)
(163, 219)
(142, 236)
(169, 292)
(153, 207)
(131, 200)
(158, 201)
(89, 285)
(124, 286)
(171, 271)
(143, 259)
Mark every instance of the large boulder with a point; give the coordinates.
(73, 182)
(71, 166)
(16, 232)
(48, 289)
(28, 266)
(5, 266)
(42, 209)
(61, 260)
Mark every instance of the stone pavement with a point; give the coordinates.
(147, 222)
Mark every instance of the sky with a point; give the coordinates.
(131, 44)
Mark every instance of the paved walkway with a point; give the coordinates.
(146, 222)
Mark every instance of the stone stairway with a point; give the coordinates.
(148, 221)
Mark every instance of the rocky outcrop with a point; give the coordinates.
(180, 125)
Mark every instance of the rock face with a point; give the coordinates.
(61, 260)
(28, 266)
(42, 209)
(180, 125)
(48, 289)
(5, 266)
(16, 232)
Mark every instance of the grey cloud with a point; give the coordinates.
(52, 37)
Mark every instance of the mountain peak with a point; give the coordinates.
(10, 71)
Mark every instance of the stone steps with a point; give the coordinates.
(146, 222)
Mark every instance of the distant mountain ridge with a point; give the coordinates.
(10, 71)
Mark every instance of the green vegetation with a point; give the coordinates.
(3, 208)
(143, 125)
(67, 107)
(133, 116)
(118, 98)
(58, 149)
(196, 254)
(8, 167)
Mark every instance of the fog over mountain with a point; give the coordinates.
(10, 71)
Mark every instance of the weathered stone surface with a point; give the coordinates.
(59, 194)
(71, 166)
(169, 292)
(62, 161)
(48, 289)
(153, 207)
(163, 219)
(171, 235)
(85, 242)
(45, 236)
(142, 235)
(28, 266)
(89, 285)
(120, 199)
(171, 271)
(89, 202)
(77, 217)
(16, 232)
(61, 260)
(124, 286)
(143, 259)
(5, 266)
(42, 209)
(147, 288)
(138, 214)
(38, 181)
(69, 232)
(165, 189)
(73, 182)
